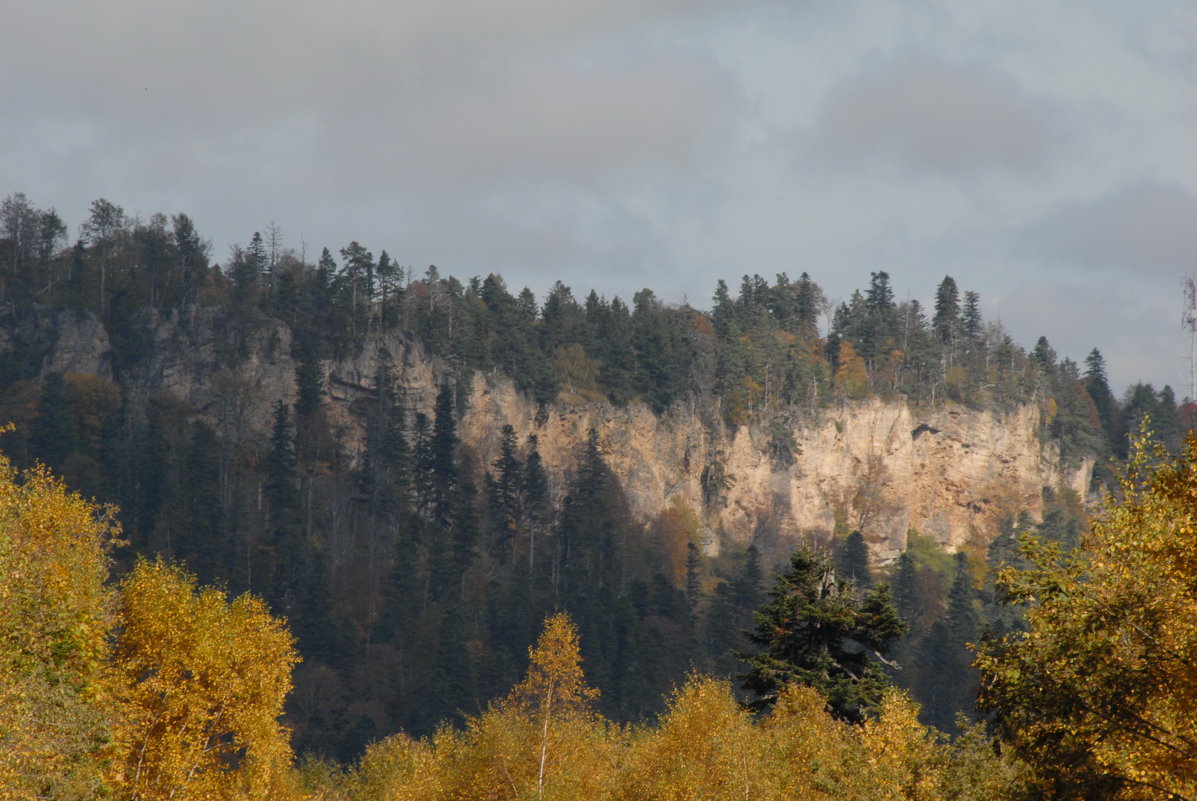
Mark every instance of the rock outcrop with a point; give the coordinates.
(882, 467)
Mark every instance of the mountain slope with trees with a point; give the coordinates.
(413, 566)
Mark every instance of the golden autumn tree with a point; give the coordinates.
(203, 681)
(543, 741)
(704, 747)
(554, 689)
(56, 709)
(1099, 696)
(851, 377)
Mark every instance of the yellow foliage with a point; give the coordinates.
(554, 691)
(203, 681)
(55, 704)
(700, 750)
(851, 377)
(543, 743)
(398, 769)
(899, 751)
(1100, 693)
(806, 752)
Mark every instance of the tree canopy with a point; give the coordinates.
(1099, 694)
(823, 632)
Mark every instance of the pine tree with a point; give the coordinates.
(287, 555)
(1098, 386)
(948, 682)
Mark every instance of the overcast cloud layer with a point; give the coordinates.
(1041, 154)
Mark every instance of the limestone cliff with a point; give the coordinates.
(882, 467)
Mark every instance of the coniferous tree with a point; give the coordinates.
(820, 631)
(948, 682)
(1044, 357)
(946, 323)
(205, 545)
(56, 434)
(853, 561)
(287, 555)
(660, 352)
(1098, 386)
(879, 326)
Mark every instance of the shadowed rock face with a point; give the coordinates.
(882, 467)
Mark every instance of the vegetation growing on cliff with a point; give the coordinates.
(415, 576)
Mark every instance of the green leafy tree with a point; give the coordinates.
(823, 632)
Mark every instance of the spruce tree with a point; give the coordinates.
(823, 632)
(854, 560)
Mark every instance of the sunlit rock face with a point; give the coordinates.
(882, 467)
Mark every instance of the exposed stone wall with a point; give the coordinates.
(883, 467)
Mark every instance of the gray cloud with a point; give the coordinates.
(618, 144)
(1137, 331)
(926, 115)
(1145, 227)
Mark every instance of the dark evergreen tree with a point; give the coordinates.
(905, 588)
(693, 578)
(946, 323)
(1044, 357)
(660, 352)
(809, 303)
(56, 433)
(282, 469)
(853, 560)
(286, 556)
(877, 332)
(1098, 386)
(724, 313)
(822, 632)
(537, 503)
(748, 584)
(1166, 422)
(441, 464)
(947, 686)
(562, 319)
(354, 286)
(507, 493)
(970, 320)
(205, 545)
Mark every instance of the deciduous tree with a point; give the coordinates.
(56, 707)
(203, 681)
(1099, 695)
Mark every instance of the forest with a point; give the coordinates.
(414, 579)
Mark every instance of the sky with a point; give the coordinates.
(1041, 153)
